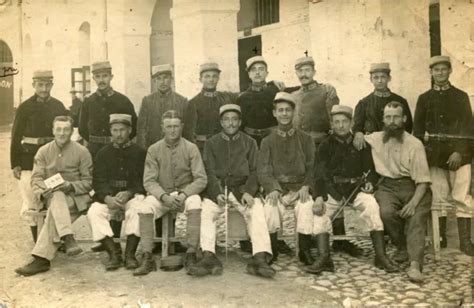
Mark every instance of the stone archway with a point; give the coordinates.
(7, 71)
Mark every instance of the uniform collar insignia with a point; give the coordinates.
(257, 88)
(385, 93)
(283, 134)
(310, 86)
(209, 93)
(228, 138)
(109, 92)
(441, 88)
(43, 100)
(123, 146)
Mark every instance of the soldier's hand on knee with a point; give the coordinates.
(123, 196)
(359, 141)
(48, 193)
(172, 202)
(247, 200)
(273, 197)
(112, 203)
(408, 210)
(454, 161)
(17, 172)
(319, 207)
(65, 187)
(368, 188)
(303, 194)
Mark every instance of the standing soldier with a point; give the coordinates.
(154, 105)
(342, 169)
(443, 120)
(313, 102)
(230, 158)
(285, 171)
(32, 128)
(201, 120)
(118, 186)
(94, 118)
(368, 115)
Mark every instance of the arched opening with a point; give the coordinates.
(7, 71)
(84, 44)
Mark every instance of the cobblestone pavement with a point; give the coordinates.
(81, 281)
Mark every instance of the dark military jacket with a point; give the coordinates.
(231, 161)
(368, 114)
(202, 114)
(33, 118)
(341, 165)
(444, 111)
(118, 169)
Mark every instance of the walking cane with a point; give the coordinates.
(356, 189)
(226, 217)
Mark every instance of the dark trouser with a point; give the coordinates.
(392, 195)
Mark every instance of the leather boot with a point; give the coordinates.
(72, 248)
(442, 232)
(130, 250)
(258, 266)
(115, 257)
(208, 265)
(464, 230)
(351, 249)
(246, 246)
(274, 245)
(98, 248)
(38, 265)
(324, 262)
(304, 254)
(284, 248)
(116, 226)
(381, 260)
(34, 233)
(414, 272)
(148, 265)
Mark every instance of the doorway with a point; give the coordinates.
(248, 47)
(7, 71)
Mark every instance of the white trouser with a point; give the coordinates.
(364, 203)
(254, 218)
(453, 188)
(151, 205)
(28, 197)
(303, 212)
(99, 216)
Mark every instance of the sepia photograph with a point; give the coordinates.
(236, 153)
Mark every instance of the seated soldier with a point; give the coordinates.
(230, 158)
(342, 169)
(174, 177)
(118, 186)
(285, 171)
(66, 202)
(404, 193)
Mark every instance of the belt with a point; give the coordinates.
(343, 180)
(257, 132)
(291, 179)
(36, 141)
(118, 183)
(100, 139)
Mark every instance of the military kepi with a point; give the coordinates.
(303, 61)
(342, 109)
(439, 59)
(254, 60)
(284, 97)
(41, 74)
(380, 67)
(157, 70)
(229, 107)
(209, 66)
(101, 66)
(120, 118)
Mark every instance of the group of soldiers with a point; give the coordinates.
(262, 151)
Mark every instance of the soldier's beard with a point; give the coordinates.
(393, 131)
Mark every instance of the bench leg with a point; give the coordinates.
(436, 236)
(165, 236)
